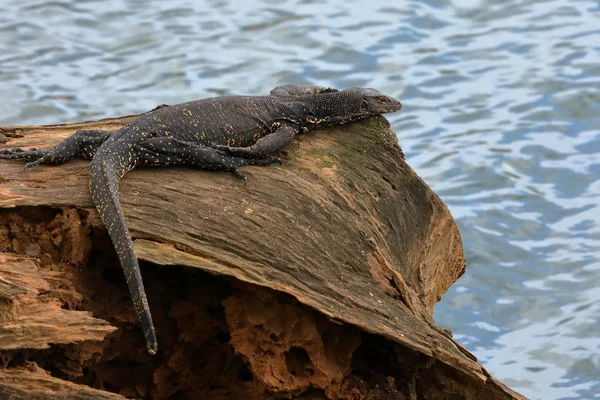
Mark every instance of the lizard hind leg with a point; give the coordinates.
(164, 151)
(266, 145)
(83, 143)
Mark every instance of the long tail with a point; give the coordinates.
(105, 173)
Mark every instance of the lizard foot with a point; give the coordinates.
(276, 160)
(33, 163)
(17, 153)
(240, 175)
(240, 162)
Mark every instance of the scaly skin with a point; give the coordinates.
(223, 133)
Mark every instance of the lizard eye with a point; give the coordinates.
(382, 99)
(364, 104)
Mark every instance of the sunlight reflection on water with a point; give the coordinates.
(501, 118)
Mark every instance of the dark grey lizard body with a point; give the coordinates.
(218, 133)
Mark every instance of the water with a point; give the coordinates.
(501, 118)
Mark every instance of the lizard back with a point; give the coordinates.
(228, 120)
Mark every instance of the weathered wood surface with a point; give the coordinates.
(345, 226)
(29, 319)
(38, 384)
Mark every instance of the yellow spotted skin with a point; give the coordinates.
(222, 133)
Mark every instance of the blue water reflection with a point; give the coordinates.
(501, 118)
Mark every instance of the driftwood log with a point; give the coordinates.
(316, 280)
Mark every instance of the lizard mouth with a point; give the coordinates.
(388, 108)
(396, 106)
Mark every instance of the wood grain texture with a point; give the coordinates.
(31, 319)
(344, 226)
(36, 384)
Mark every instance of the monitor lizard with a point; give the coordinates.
(221, 133)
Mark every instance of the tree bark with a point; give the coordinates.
(316, 280)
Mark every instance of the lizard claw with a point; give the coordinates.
(33, 163)
(240, 175)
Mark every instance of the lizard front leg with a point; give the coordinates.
(82, 143)
(266, 145)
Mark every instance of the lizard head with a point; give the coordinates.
(374, 102)
(349, 105)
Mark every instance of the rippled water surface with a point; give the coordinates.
(501, 118)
